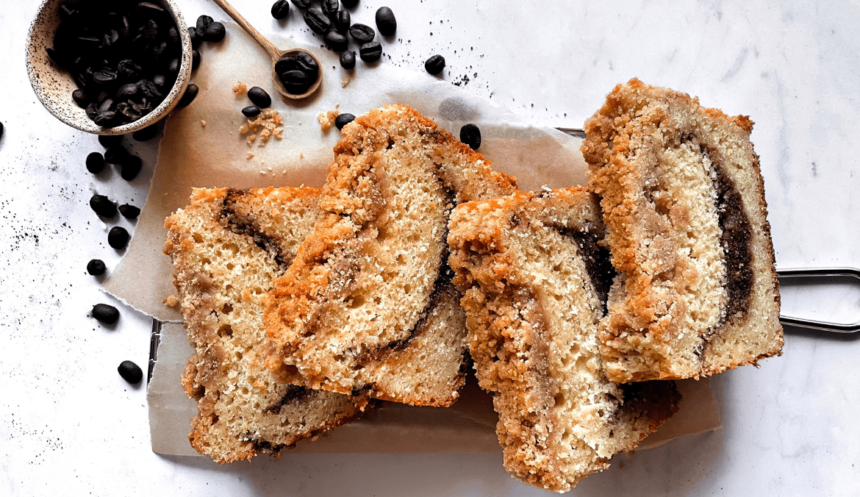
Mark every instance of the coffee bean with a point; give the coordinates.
(370, 52)
(349, 3)
(2, 130)
(107, 119)
(342, 21)
(173, 66)
(435, 64)
(285, 64)
(150, 29)
(203, 22)
(149, 90)
(316, 19)
(106, 105)
(118, 237)
(129, 211)
(335, 41)
(259, 97)
(281, 9)
(91, 111)
(160, 82)
(108, 141)
(302, 4)
(329, 7)
(128, 69)
(347, 59)
(80, 98)
(343, 119)
(150, 8)
(215, 32)
(196, 39)
(189, 95)
(296, 81)
(131, 166)
(102, 206)
(126, 92)
(295, 77)
(104, 76)
(95, 163)
(385, 21)
(115, 154)
(105, 313)
(362, 33)
(130, 372)
(173, 35)
(146, 133)
(471, 136)
(251, 111)
(195, 60)
(96, 267)
(308, 65)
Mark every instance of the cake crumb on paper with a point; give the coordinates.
(327, 118)
(345, 81)
(203, 123)
(249, 156)
(264, 127)
(240, 89)
(171, 301)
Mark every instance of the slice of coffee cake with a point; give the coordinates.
(367, 307)
(683, 201)
(535, 278)
(227, 247)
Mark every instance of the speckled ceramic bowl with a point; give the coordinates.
(54, 86)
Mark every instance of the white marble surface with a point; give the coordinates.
(69, 425)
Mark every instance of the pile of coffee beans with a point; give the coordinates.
(335, 26)
(296, 72)
(123, 56)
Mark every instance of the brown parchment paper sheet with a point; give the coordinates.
(202, 147)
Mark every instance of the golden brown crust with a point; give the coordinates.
(373, 263)
(641, 135)
(226, 247)
(527, 309)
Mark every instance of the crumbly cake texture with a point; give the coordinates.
(534, 279)
(368, 307)
(683, 200)
(227, 247)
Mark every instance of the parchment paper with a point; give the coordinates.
(202, 147)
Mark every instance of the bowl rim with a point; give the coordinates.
(183, 78)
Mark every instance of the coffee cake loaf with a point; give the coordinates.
(535, 278)
(683, 202)
(227, 247)
(367, 307)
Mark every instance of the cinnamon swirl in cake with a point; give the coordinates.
(535, 277)
(227, 247)
(683, 201)
(367, 307)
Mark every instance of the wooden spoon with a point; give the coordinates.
(274, 52)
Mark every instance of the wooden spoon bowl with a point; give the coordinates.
(274, 52)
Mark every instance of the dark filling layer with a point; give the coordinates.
(597, 259)
(440, 285)
(736, 238)
(291, 393)
(246, 225)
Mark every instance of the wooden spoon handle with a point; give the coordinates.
(274, 52)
